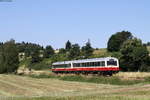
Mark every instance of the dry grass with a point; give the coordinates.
(27, 87)
(133, 75)
(100, 51)
(11, 85)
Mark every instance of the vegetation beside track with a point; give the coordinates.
(117, 79)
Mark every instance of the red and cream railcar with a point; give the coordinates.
(107, 65)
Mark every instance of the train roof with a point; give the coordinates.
(85, 60)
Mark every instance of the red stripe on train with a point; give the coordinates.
(87, 69)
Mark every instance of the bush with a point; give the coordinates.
(44, 76)
(134, 56)
(39, 66)
(94, 79)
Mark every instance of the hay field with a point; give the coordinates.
(132, 75)
(100, 51)
(13, 87)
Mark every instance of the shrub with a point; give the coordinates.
(39, 66)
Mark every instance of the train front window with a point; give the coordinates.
(111, 63)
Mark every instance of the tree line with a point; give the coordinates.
(11, 54)
(131, 52)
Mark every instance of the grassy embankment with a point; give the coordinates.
(118, 79)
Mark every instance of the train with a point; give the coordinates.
(101, 66)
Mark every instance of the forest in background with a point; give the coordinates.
(132, 53)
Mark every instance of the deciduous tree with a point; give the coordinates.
(116, 40)
(87, 50)
(74, 52)
(49, 51)
(9, 57)
(134, 56)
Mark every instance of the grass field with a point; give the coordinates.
(13, 87)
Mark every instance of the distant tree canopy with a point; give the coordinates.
(87, 50)
(35, 56)
(68, 45)
(9, 61)
(134, 56)
(49, 51)
(148, 44)
(116, 40)
(28, 48)
(131, 52)
(74, 52)
(62, 51)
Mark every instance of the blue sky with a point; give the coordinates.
(53, 22)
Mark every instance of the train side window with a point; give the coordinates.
(103, 63)
(84, 64)
(90, 64)
(98, 64)
(68, 65)
(87, 64)
(80, 65)
(75, 65)
(93, 64)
